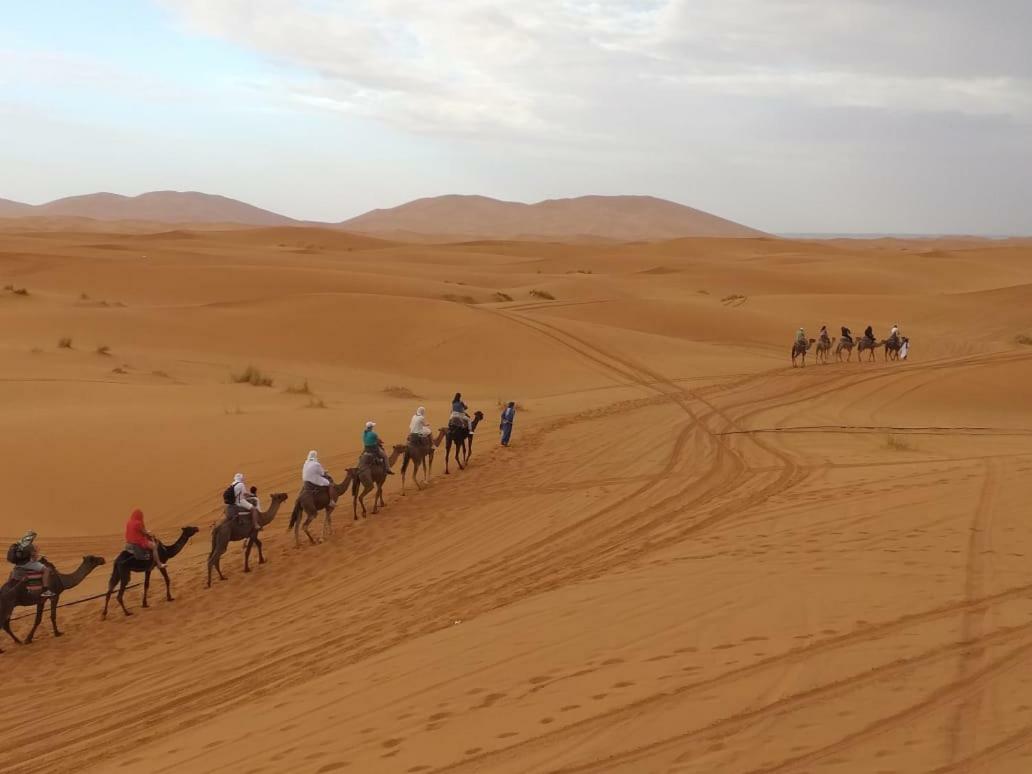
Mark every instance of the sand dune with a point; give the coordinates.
(621, 218)
(694, 558)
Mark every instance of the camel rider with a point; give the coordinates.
(373, 445)
(24, 555)
(894, 333)
(239, 502)
(800, 337)
(419, 430)
(459, 411)
(847, 335)
(139, 542)
(314, 474)
(823, 335)
(869, 333)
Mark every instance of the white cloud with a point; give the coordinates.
(550, 68)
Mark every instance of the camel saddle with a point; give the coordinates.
(418, 439)
(136, 552)
(370, 460)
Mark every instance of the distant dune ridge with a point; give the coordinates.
(620, 218)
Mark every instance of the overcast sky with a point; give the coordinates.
(786, 115)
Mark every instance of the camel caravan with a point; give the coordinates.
(896, 346)
(35, 582)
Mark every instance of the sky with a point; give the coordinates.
(852, 116)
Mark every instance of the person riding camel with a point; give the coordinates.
(823, 335)
(314, 474)
(139, 542)
(800, 337)
(894, 333)
(847, 335)
(374, 446)
(28, 566)
(459, 411)
(869, 333)
(240, 503)
(419, 430)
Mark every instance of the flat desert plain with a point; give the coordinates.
(693, 557)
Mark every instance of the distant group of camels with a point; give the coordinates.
(844, 348)
(361, 479)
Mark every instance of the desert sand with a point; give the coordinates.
(693, 558)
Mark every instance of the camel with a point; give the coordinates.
(457, 436)
(8, 594)
(310, 502)
(59, 583)
(230, 530)
(125, 565)
(847, 345)
(893, 346)
(823, 348)
(369, 476)
(799, 349)
(867, 345)
(421, 456)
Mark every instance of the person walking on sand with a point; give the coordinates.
(508, 416)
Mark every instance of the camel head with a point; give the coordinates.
(400, 448)
(478, 415)
(189, 532)
(279, 497)
(93, 561)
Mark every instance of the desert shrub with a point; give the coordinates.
(300, 389)
(83, 296)
(897, 444)
(500, 296)
(104, 349)
(20, 291)
(396, 391)
(160, 374)
(315, 403)
(119, 370)
(1023, 338)
(735, 298)
(64, 343)
(252, 376)
(459, 299)
(542, 294)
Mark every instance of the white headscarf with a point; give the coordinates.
(421, 411)
(370, 425)
(313, 456)
(238, 478)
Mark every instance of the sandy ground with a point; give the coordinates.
(694, 557)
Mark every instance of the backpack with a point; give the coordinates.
(17, 554)
(229, 496)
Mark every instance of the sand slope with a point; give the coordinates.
(694, 558)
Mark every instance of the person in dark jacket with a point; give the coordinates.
(508, 416)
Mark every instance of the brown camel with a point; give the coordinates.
(59, 583)
(126, 564)
(457, 435)
(893, 346)
(823, 348)
(8, 593)
(421, 455)
(370, 475)
(799, 349)
(310, 502)
(231, 530)
(867, 345)
(844, 345)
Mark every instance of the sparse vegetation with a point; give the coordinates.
(252, 376)
(500, 296)
(65, 343)
(9, 288)
(459, 299)
(160, 374)
(897, 444)
(20, 291)
(1024, 338)
(233, 411)
(104, 349)
(36, 351)
(315, 403)
(735, 299)
(702, 292)
(396, 391)
(83, 296)
(542, 294)
(300, 389)
(119, 370)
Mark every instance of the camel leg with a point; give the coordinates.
(258, 545)
(308, 522)
(146, 586)
(215, 561)
(447, 455)
(168, 585)
(53, 616)
(35, 625)
(247, 551)
(123, 582)
(7, 628)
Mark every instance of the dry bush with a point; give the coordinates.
(252, 376)
(735, 299)
(300, 389)
(1024, 338)
(119, 370)
(20, 291)
(83, 296)
(542, 294)
(160, 374)
(104, 349)
(64, 343)
(459, 299)
(315, 403)
(396, 391)
(897, 444)
(500, 296)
